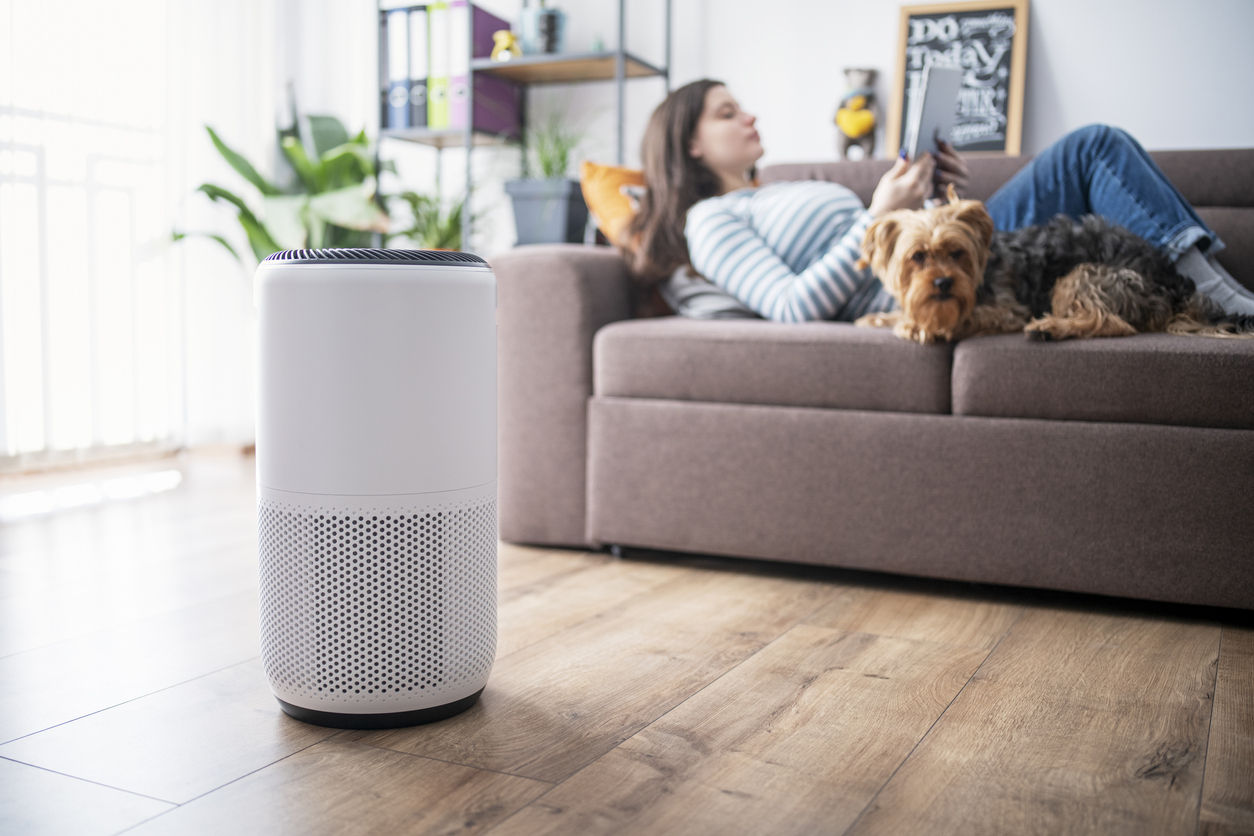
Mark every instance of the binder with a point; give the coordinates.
(485, 23)
(398, 69)
(459, 64)
(418, 52)
(438, 77)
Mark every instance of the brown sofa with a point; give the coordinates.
(1118, 466)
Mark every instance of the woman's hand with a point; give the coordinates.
(905, 186)
(950, 168)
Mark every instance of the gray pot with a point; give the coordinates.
(548, 211)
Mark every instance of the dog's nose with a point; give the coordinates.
(944, 284)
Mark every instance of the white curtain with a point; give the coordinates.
(111, 337)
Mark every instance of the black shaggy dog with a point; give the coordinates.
(1130, 275)
(954, 277)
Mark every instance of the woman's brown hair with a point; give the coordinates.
(654, 243)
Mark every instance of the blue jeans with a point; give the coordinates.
(1104, 171)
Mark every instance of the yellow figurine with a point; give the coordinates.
(506, 45)
(856, 116)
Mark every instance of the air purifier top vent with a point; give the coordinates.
(361, 255)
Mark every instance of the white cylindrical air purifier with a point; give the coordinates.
(376, 483)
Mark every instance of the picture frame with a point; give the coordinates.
(987, 37)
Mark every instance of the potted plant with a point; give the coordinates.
(431, 227)
(332, 201)
(548, 208)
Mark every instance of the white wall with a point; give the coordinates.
(1175, 74)
(1165, 70)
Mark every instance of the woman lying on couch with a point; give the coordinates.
(786, 251)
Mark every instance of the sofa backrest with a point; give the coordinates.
(1218, 183)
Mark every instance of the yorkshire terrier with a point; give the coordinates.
(953, 277)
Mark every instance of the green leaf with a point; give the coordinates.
(285, 219)
(317, 233)
(243, 166)
(179, 236)
(352, 151)
(551, 146)
(350, 207)
(258, 237)
(327, 132)
(343, 168)
(310, 175)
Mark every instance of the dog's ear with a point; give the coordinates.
(878, 243)
(952, 194)
(975, 215)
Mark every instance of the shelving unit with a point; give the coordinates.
(618, 66)
(565, 69)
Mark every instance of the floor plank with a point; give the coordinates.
(796, 740)
(1077, 723)
(521, 565)
(340, 788)
(176, 744)
(53, 610)
(968, 621)
(668, 693)
(557, 705)
(36, 802)
(1228, 789)
(64, 681)
(529, 612)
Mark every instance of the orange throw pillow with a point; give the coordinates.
(603, 192)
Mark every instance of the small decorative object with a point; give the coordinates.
(542, 30)
(858, 114)
(506, 45)
(989, 39)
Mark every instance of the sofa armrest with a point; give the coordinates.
(551, 300)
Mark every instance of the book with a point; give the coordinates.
(459, 64)
(397, 115)
(418, 51)
(438, 69)
(932, 109)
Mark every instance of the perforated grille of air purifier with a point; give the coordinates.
(366, 255)
(383, 606)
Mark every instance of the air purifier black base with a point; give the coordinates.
(394, 720)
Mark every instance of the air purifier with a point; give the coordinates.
(376, 483)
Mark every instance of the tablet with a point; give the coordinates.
(932, 109)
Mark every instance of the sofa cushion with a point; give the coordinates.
(819, 364)
(1146, 379)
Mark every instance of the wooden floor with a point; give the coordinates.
(655, 694)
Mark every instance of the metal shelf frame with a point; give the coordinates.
(563, 68)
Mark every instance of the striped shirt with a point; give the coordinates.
(787, 251)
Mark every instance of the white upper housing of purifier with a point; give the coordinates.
(376, 472)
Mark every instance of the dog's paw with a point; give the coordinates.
(1043, 330)
(877, 320)
(912, 332)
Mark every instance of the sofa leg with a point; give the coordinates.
(615, 550)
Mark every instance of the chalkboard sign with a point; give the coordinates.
(988, 39)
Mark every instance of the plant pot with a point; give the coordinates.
(548, 211)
